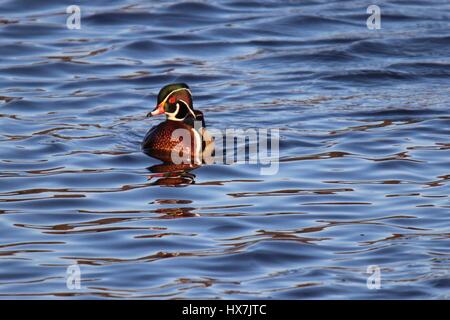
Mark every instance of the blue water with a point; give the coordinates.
(364, 169)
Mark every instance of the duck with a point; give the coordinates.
(165, 140)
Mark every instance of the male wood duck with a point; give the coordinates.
(161, 141)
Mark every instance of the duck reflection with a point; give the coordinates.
(170, 174)
(174, 213)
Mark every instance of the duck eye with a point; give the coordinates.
(172, 100)
(170, 108)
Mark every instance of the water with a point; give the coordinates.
(364, 174)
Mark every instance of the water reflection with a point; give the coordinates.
(170, 174)
(364, 145)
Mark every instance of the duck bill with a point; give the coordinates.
(159, 109)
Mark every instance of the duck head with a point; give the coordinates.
(175, 101)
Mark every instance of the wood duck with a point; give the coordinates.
(175, 101)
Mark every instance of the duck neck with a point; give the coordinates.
(196, 123)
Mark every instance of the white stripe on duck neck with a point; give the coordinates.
(172, 115)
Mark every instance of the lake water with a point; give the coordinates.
(364, 173)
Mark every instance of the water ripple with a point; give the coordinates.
(363, 175)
